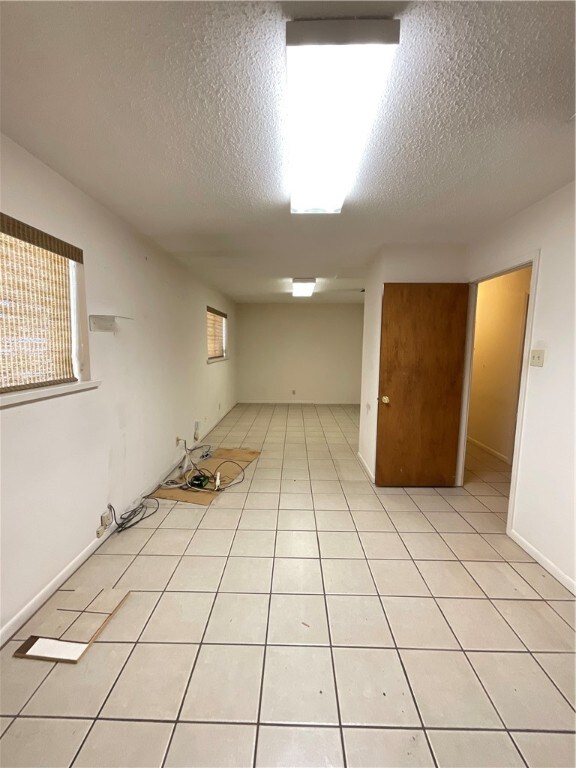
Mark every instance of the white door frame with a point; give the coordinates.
(531, 259)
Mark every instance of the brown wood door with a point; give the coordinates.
(422, 352)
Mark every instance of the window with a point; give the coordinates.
(216, 333)
(38, 336)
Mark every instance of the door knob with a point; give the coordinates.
(385, 399)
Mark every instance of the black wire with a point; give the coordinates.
(128, 518)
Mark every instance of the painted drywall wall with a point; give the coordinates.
(64, 459)
(302, 353)
(542, 500)
(409, 264)
(501, 307)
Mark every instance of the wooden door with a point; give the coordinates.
(421, 375)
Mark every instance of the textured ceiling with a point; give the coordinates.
(172, 115)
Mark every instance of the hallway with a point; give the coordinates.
(309, 618)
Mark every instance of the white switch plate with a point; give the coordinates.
(537, 357)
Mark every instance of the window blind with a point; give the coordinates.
(35, 311)
(216, 333)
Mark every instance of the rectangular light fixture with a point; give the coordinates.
(337, 73)
(303, 286)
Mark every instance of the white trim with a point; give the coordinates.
(564, 579)
(507, 459)
(38, 600)
(466, 384)
(222, 359)
(366, 468)
(44, 393)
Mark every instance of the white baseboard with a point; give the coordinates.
(38, 601)
(563, 578)
(365, 467)
(293, 402)
(507, 459)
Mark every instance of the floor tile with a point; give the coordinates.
(152, 683)
(207, 745)
(547, 750)
(561, 668)
(168, 542)
(20, 678)
(507, 548)
(449, 522)
(364, 502)
(128, 542)
(127, 624)
(297, 544)
(411, 522)
(427, 546)
(326, 486)
(329, 501)
(183, 517)
(340, 544)
(4, 723)
(296, 520)
(225, 684)
(295, 486)
(396, 502)
(121, 744)
(298, 686)
(260, 485)
(238, 619)
(213, 543)
(467, 504)
(485, 522)
(470, 546)
(262, 500)
(538, 626)
(367, 520)
(247, 574)
(545, 584)
(358, 620)
(389, 748)
(297, 575)
(372, 688)
(253, 544)
(149, 572)
(179, 617)
(566, 609)
(221, 519)
(298, 620)
(359, 487)
(447, 690)
(448, 579)
(258, 520)
(481, 489)
(99, 571)
(197, 574)
(36, 742)
(347, 577)
(432, 503)
(383, 546)
(417, 622)
(334, 521)
(499, 580)
(296, 501)
(495, 503)
(478, 625)
(290, 747)
(80, 689)
(474, 749)
(398, 577)
(521, 691)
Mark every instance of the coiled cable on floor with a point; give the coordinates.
(133, 516)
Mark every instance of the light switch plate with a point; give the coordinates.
(537, 357)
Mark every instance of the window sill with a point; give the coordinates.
(217, 359)
(44, 393)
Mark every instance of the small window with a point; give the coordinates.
(37, 286)
(216, 333)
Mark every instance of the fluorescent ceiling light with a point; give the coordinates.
(303, 286)
(333, 95)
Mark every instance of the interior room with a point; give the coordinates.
(287, 390)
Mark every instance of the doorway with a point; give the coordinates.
(499, 340)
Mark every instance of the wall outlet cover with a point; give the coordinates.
(537, 357)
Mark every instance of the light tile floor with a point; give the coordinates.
(310, 619)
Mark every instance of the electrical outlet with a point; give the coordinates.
(106, 518)
(537, 357)
(100, 531)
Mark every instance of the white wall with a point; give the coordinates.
(543, 502)
(409, 264)
(64, 459)
(498, 352)
(314, 349)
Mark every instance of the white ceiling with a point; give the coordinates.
(172, 115)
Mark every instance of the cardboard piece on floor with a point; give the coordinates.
(218, 461)
(73, 638)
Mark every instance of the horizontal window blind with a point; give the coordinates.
(35, 312)
(216, 333)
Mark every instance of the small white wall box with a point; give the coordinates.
(105, 323)
(537, 357)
